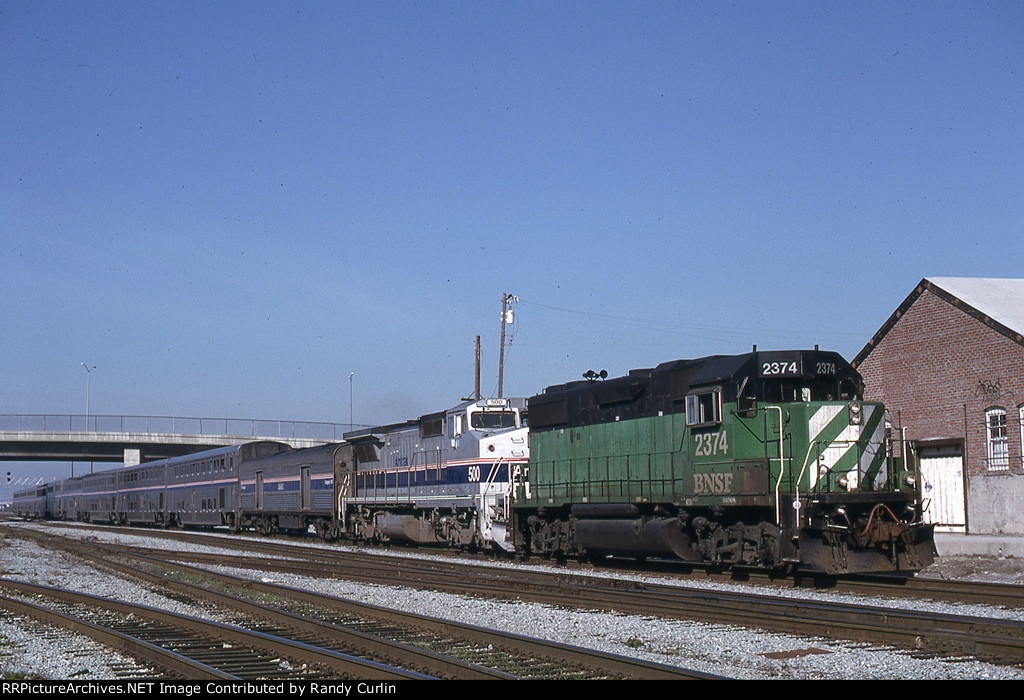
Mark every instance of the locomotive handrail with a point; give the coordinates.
(782, 460)
(489, 485)
(506, 498)
(492, 474)
(807, 459)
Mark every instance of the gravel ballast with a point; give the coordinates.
(717, 649)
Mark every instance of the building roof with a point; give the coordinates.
(1000, 299)
(998, 303)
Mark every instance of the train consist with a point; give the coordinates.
(441, 479)
(766, 459)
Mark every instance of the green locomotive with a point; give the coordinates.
(766, 459)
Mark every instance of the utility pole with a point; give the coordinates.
(350, 420)
(506, 317)
(476, 374)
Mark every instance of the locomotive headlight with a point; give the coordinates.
(909, 480)
(855, 413)
(490, 447)
(843, 482)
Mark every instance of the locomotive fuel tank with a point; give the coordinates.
(622, 530)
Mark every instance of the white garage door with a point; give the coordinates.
(942, 487)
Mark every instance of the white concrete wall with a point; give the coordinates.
(995, 504)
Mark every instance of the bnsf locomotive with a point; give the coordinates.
(768, 459)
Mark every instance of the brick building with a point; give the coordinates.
(949, 365)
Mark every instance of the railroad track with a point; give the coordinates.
(400, 639)
(974, 592)
(184, 646)
(995, 640)
(40, 626)
(1001, 641)
(881, 586)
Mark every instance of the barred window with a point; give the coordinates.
(998, 448)
(1020, 410)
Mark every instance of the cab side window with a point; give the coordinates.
(704, 408)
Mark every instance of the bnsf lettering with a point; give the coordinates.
(715, 484)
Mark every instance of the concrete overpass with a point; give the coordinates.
(135, 439)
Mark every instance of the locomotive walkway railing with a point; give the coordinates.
(173, 425)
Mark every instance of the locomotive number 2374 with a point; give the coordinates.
(710, 444)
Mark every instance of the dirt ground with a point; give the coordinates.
(977, 568)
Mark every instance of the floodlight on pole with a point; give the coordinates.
(88, 391)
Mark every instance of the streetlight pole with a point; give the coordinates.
(350, 422)
(88, 392)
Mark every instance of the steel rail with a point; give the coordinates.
(331, 661)
(990, 639)
(150, 654)
(608, 664)
(976, 592)
(883, 586)
(530, 650)
(986, 638)
(377, 647)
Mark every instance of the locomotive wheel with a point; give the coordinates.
(266, 525)
(323, 528)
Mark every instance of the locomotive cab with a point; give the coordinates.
(486, 415)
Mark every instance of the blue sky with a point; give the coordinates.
(228, 207)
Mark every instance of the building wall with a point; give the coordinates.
(938, 370)
(994, 504)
